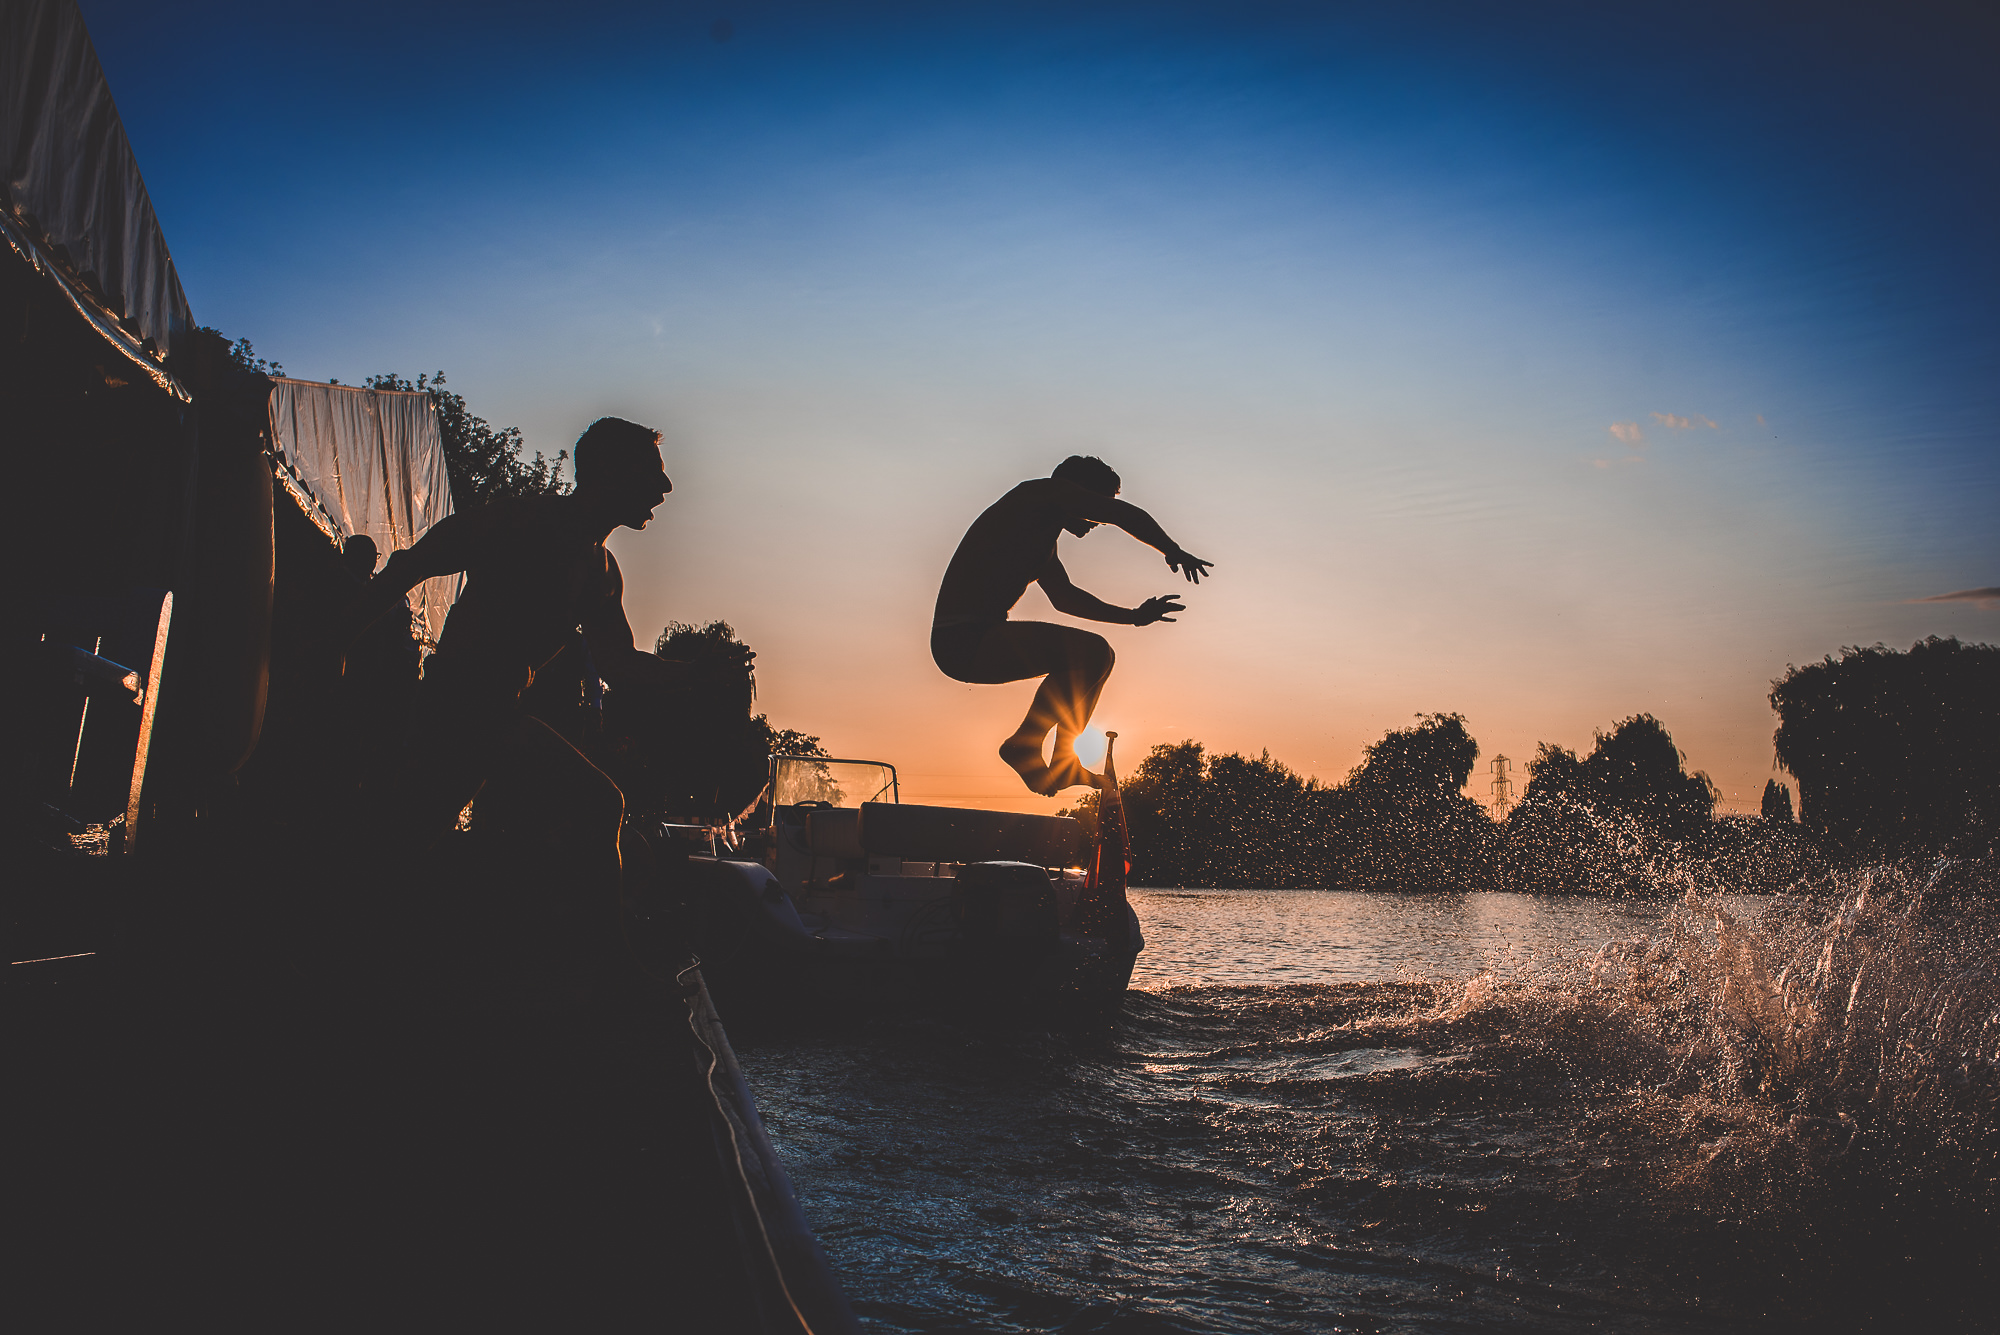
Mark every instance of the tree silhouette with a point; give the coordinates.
(1400, 821)
(1166, 810)
(1777, 805)
(1228, 820)
(1555, 772)
(1257, 810)
(696, 751)
(241, 352)
(715, 645)
(1636, 769)
(1428, 761)
(1895, 752)
(1602, 823)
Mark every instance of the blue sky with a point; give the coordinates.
(1547, 363)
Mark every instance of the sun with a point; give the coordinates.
(1090, 746)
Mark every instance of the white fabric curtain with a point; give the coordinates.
(76, 205)
(369, 461)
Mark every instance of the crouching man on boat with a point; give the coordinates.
(1013, 545)
(536, 572)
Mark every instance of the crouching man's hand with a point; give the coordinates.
(1156, 609)
(652, 671)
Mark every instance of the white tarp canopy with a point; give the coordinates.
(72, 203)
(367, 461)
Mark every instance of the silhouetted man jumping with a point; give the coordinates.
(537, 572)
(1013, 545)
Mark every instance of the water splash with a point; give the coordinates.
(1850, 1041)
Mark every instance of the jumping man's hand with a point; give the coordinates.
(1156, 609)
(1187, 564)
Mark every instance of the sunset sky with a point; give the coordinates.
(1547, 363)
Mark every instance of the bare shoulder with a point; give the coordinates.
(507, 515)
(544, 508)
(1038, 495)
(1035, 491)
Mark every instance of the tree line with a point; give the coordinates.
(1894, 754)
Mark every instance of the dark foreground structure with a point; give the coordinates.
(257, 1076)
(254, 1118)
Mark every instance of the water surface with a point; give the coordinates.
(1262, 1140)
(1260, 937)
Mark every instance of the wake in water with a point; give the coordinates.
(1710, 1127)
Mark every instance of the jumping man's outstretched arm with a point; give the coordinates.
(1083, 503)
(1065, 597)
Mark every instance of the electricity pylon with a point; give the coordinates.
(1503, 788)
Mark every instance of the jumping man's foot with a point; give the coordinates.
(1037, 779)
(1068, 772)
(1024, 755)
(1023, 752)
(1048, 780)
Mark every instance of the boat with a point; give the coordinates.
(833, 884)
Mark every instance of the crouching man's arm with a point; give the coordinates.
(448, 547)
(623, 665)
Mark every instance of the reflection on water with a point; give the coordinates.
(1198, 938)
(1394, 1113)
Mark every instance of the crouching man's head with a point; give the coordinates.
(619, 471)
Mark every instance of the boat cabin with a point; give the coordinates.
(846, 849)
(833, 816)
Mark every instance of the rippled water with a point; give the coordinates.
(1299, 1121)
(1256, 938)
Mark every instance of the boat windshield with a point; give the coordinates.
(840, 783)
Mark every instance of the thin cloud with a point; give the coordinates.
(1679, 423)
(1628, 432)
(1987, 599)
